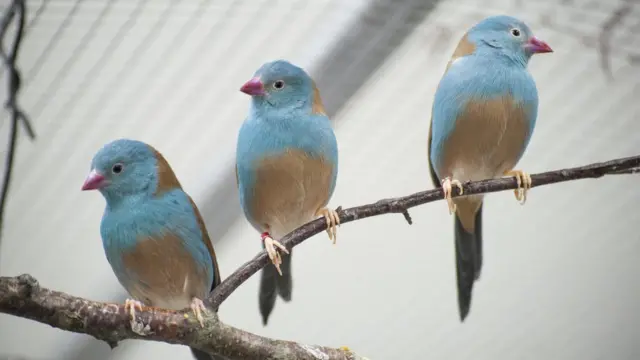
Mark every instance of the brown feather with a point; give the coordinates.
(168, 276)
(290, 189)
(207, 242)
(487, 141)
(317, 107)
(464, 48)
(167, 179)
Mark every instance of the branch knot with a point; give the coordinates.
(25, 286)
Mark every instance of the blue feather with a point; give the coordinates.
(484, 112)
(286, 129)
(462, 84)
(280, 122)
(134, 211)
(270, 135)
(143, 217)
(496, 68)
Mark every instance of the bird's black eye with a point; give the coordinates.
(117, 168)
(515, 32)
(278, 84)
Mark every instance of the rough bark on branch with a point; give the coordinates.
(22, 296)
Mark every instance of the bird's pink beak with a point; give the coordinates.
(253, 87)
(537, 46)
(94, 181)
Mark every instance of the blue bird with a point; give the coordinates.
(286, 166)
(483, 115)
(153, 234)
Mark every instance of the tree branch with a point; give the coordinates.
(401, 205)
(22, 296)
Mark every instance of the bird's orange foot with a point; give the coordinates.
(272, 247)
(524, 184)
(197, 306)
(447, 187)
(333, 220)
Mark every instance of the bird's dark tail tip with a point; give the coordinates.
(273, 284)
(463, 310)
(468, 262)
(267, 292)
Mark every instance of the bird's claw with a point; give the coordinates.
(447, 188)
(272, 246)
(333, 220)
(524, 184)
(131, 306)
(197, 306)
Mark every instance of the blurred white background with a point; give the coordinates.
(561, 277)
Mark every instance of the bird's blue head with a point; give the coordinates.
(281, 85)
(507, 36)
(123, 168)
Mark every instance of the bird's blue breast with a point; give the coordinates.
(140, 218)
(479, 78)
(273, 132)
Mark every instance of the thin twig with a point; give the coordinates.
(402, 204)
(606, 32)
(10, 59)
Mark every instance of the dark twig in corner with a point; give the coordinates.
(22, 296)
(402, 204)
(16, 8)
(606, 31)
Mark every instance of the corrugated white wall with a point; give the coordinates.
(560, 276)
